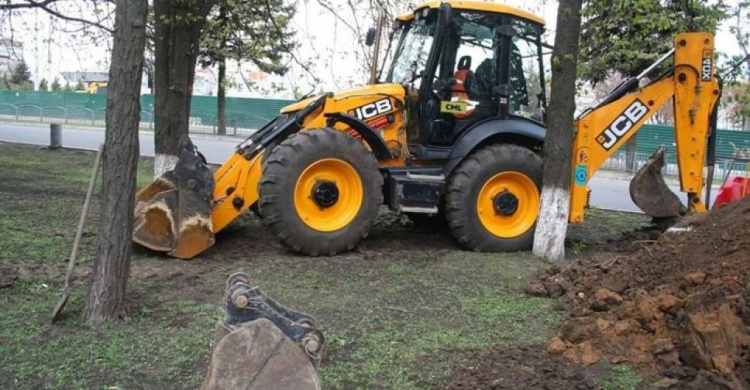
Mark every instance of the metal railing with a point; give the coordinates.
(77, 115)
(246, 125)
(57, 114)
(619, 162)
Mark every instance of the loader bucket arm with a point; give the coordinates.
(603, 130)
(180, 212)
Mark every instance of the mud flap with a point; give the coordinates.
(650, 193)
(173, 214)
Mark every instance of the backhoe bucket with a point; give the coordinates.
(650, 193)
(173, 214)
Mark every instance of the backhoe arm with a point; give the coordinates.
(605, 129)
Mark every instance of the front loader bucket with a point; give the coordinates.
(651, 194)
(173, 214)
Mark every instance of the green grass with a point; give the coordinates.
(623, 378)
(142, 353)
(599, 226)
(42, 196)
(394, 323)
(393, 318)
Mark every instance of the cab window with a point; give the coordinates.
(413, 51)
(526, 76)
(468, 71)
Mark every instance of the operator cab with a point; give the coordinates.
(452, 60)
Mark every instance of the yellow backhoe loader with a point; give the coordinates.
(453, 125)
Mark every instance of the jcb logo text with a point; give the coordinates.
(707, 65)
(370, 110)
(622, 124)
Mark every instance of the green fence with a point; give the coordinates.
(727, 141)
(243, 115)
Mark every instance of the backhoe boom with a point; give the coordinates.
(603, 130)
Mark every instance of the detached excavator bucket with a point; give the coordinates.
(260, 344)
(651, 194)
(173, 214)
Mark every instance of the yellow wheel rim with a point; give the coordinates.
(335, 214)
(508, 204)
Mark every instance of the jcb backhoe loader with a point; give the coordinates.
(453, 125)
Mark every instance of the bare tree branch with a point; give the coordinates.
(9, 5)
(74, 19)
(45, 5)
(294, 57)
(343, 20)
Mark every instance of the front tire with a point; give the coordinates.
(320, 192)
(493, 199)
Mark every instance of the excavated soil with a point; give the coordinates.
(679, 306)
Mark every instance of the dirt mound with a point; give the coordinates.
(679, 305)
(531, 367)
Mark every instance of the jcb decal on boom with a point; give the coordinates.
(707, 65)
(372, 109)
(622, 124)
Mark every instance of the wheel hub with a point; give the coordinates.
(325, 193)
(505, 203)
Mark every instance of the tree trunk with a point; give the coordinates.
(221, 93)
(178, 26)
(110, 273)
(221, 97)
(549, 239)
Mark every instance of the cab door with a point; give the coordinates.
(460, 90)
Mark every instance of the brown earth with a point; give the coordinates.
(679, 306)
(525, 367)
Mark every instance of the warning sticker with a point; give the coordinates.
(453, 107)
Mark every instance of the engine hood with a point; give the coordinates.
(393, 90)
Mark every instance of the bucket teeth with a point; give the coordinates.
(651, 194)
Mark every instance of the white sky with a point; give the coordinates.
(52, 46)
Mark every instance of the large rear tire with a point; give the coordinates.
(493, 199)
(320, 192)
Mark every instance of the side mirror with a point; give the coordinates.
(370, 37)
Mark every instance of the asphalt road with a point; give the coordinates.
(216, 149)
(609, 190)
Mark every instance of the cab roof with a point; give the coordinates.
(477, 6)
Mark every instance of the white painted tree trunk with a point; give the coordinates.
(549, 238)
(164, 163)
